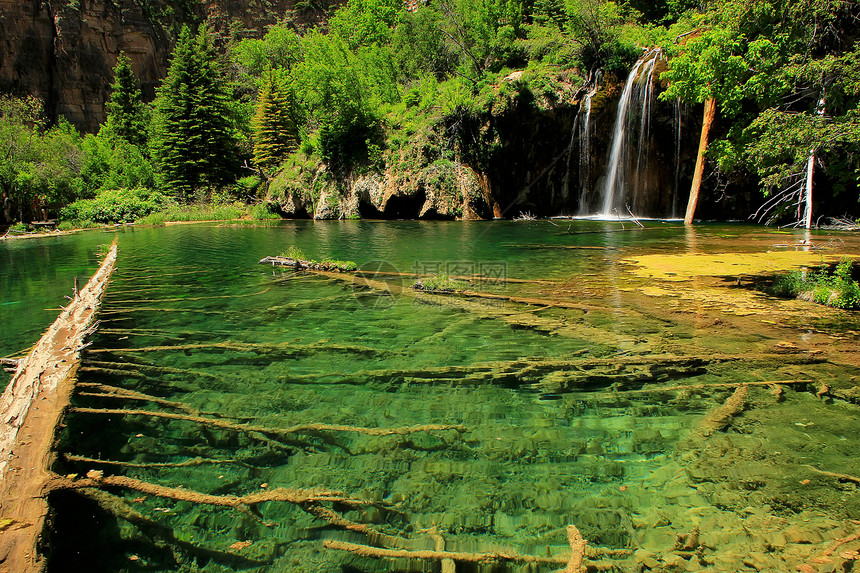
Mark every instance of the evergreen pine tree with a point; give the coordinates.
(193, 138)
(126, 112)
(275, 133)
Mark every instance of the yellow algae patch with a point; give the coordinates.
(656, 291)
(688, 266)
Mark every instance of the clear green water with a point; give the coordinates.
(534, 457)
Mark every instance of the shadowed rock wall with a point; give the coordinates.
(64, 52)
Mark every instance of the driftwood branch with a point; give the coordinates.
(105, 391)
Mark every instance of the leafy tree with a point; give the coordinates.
(275, 129)
(37, 166)
(194, 140)
(278, 48)
(483, 33)
(110, 162)
(127, 117)
(760, 60)
(367, 22)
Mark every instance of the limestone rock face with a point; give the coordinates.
(64, 51)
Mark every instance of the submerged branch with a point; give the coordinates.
(844, 477)
(118, 507)
(484, 558)
(186, 463)
(284, 347)
(309, 500)
(297, 429)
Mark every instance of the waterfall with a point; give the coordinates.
(677, 158)
(585, 153)
(637, 97)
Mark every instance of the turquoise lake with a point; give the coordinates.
(571, 395)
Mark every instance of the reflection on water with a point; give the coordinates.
(577, 408)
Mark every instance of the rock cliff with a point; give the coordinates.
(64, 51)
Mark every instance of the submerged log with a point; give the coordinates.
(189, 462)
(30, 410)
(309, 500)
(297, 429)
(720, 418)
(465, 557)
(556, 376)
(164, 535)
(287, 348)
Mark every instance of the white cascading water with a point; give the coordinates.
(638, 95)
(584, 152)
(677, 157)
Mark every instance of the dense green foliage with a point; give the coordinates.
(193, 136)
(834, 287)
(117, 206)
(415, 88)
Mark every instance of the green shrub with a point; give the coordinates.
(338, 265)
(439, 283)
(116, 206)
(293, 252)
(838, 289)
(263, 211)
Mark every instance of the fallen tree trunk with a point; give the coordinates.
(30, 410)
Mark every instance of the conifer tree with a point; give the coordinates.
(275, 132)
(193, 139)
(126, 112)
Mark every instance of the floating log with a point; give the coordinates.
(481, 558)
(689, 387)
(302, 265)
(118, 507)
(131, 369)
(105, 391)
(30, 410)
(531, 301)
